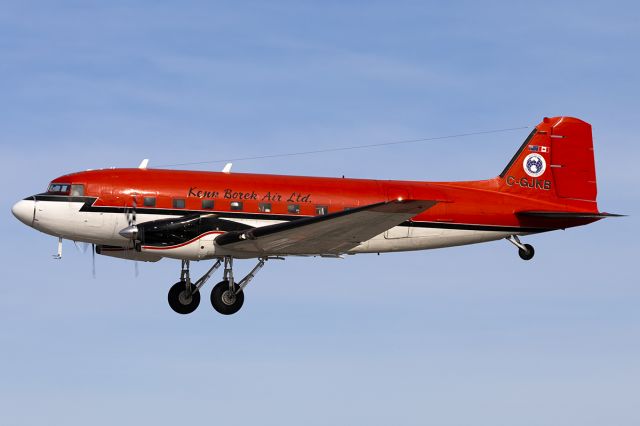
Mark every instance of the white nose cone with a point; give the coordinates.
(23, 211)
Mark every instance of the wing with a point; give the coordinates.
(334, 233)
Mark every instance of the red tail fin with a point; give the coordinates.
(555, 161)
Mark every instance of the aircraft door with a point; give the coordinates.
(402, 231)
(398, 231)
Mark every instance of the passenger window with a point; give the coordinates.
(178, 203)
(207, 204)
(264, 207)
(149, 201)
(320, 210)
(236, 205)
(77, 190)
(293, 208)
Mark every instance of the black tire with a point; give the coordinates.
(178, 303)
(528, 253)
(221, 302)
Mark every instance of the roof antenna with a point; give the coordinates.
(227, 168)
(144, 163)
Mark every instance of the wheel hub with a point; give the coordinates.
(184, 299)
(228, 298)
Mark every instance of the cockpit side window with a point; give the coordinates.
(77, 190)
(59, 188)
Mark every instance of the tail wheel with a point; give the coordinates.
(180, 301)
(224, 300)
(528, 253)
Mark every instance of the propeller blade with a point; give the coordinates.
(93, 260)
(131, 231)
(82, 248)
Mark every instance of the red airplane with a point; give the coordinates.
(146, 214)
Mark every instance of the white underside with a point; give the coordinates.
(65, 220)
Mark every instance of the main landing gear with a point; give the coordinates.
(227, 296)
(525, 251)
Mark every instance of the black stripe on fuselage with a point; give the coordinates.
(62, 198)
(89, 207)
(474, 227)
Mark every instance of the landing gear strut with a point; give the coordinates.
(184, 296)
(525, 251)
(227, 296)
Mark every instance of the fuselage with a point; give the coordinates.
(149, 214)
(94, 206)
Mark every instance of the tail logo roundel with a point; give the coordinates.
(534, 165)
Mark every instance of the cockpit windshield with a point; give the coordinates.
(59, 188)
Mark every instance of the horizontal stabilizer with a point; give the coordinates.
(568, 215)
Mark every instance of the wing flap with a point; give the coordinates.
(333, 234)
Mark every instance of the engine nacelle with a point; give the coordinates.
(188, 237)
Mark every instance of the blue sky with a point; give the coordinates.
(460, 336)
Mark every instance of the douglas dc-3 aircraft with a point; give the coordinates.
(146, 214)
